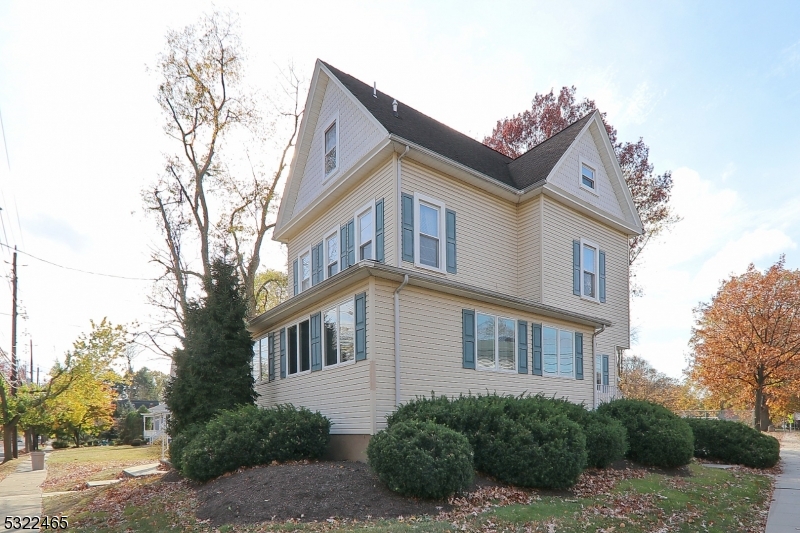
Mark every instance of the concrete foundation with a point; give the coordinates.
(348, 448)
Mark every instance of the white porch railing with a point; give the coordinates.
(605, 393)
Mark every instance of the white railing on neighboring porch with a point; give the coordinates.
(605, 393)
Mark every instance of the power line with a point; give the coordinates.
(78, 269)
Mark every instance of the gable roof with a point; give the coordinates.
(530, 169)
(421, 129)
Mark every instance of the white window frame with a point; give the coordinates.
(288, 366)
(591, 244)
(593, 166)
(334, 120)
(418, 197)
(496, 367)
(558, 373)
(339, 362)
(256, 355)
(300, 256)
(370, 207)
(335, 233)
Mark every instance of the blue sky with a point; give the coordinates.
(712, 87)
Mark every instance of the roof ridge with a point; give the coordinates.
(535, 146)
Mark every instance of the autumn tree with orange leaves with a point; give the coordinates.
(746, 341)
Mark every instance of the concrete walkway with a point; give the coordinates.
(20, 492)
(784, 511)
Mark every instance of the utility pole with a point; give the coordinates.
(15, 452)
(31, 360)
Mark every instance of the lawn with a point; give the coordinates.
(708, 500)
(69, 468)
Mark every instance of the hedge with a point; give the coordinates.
(422, 459)
(250, 436)
(734, 443)
(656, 436)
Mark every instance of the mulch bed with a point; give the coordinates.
(307, 492)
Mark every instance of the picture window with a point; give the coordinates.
(496, 343)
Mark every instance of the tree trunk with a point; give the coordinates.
(14, 449)
(8, 451)
(759, 410)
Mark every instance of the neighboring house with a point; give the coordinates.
(425, 262)
(155, 422)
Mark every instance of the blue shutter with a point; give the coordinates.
(316, 342)
(450, 232)
(379, 231)
(537, 349)
(576, 268)
(407, 209)
(351, 243)
(468, 337)
(579, 356)
(602, 277)
(294, 276)
(271, 357)
(283, 353)
(522, 347)
(316, 264)
(361, 326)
(343, 264)
(605, 369)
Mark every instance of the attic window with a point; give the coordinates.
(587, 176)
(331, 154)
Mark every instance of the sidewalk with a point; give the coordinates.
(784, 511)
(20, 494)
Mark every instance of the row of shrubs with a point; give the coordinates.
(249, 436)
(431, 447)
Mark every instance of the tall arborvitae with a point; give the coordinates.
(212, 371)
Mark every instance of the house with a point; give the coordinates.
(423, 261)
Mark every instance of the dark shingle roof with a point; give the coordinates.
(530, 168)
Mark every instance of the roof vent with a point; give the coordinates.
(375, 89)
(394, 108)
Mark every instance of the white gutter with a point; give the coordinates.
(399, 202)
(397, 340)
(594, 355)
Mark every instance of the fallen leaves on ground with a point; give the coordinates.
(73, 476)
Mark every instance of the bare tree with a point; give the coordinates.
(215, 195)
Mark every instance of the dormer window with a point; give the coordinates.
(331, 145)
(587, 176)
(305, 271)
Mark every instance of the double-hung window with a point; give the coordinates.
(558, 352)
(332, 253)
(305, 271)
(331, 148)
(429, 235)
(587, 177)
(339, 326)
(589, 267)
(255, 364)
(299, 347)
(496, 342)
(365, 232)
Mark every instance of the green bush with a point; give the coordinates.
(178, 444)
(606, 439)
(733, 442)
(137, 442)
(656, 436)
(60, 444)
(422, 459)
(249, 436)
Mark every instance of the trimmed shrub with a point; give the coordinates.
(422, 459)
(60, 444)
(606, 439)
(250, 436)
(179, 443)
(137, 442)
(656, 436)
(734, 442)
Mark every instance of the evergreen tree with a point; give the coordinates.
(212, 370)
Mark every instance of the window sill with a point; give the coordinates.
(589, 189)
(303, 373)
(327, 178)
(430, 268)
(588, 299)
(495, 369)
(550, 376)
(339, 365)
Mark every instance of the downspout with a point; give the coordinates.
(399, 206)
(594, 355)
(397, 340)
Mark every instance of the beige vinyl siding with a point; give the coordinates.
(380, 184)
(486, 229)
(567, 174)
(529, 253)
(342, 393)
(431, 352)
(358, 134)
(562, 225)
